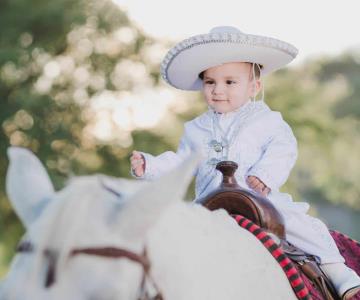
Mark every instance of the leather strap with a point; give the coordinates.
(112, 252)
(109, 252)
(309, 265)
(313, 272)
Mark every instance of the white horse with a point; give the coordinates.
(193, 254)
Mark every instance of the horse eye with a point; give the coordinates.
(24, 246)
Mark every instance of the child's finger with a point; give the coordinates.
(137, 162)
(134, 162)
(139, 171)
(253, 186)
(258, 185)
(259, 189)
(250, 179)
(136, 156)
(133, 159)
(254, 182)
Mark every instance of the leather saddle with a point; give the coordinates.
(236, 200)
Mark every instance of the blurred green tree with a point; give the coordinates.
(54, 58)
(320, 100)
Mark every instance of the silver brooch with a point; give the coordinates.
(217, 146)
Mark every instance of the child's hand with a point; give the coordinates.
(137, 163)
(257, 185)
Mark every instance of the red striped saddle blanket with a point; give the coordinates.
(302, 286)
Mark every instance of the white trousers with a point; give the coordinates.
(306, 232)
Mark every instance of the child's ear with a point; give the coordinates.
(257, 89)
(258, 85)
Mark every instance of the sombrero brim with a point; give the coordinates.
(184, 62)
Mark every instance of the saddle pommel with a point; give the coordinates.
(236, 200)
(227, 169)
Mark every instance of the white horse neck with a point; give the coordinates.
(197, 254)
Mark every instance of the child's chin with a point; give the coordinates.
(222, 110)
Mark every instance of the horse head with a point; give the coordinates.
(91, 212)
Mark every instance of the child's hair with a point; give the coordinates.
(257, 68)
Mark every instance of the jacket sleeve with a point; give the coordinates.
(278, 158)
(155, 166)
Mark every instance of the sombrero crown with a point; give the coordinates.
(186, 60)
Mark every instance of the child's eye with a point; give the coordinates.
(209, 82)
(230, 82)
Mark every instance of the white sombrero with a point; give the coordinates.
(186, 60)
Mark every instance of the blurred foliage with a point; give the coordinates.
(320, 100)
(65, 65)
(54, 57)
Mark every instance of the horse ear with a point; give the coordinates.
(141, 211)
(28, 185)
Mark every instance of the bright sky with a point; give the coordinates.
(315, 27)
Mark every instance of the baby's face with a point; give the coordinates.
(228, 86)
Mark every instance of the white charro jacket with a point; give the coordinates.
(263, 146)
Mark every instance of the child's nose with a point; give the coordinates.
(218, 89)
